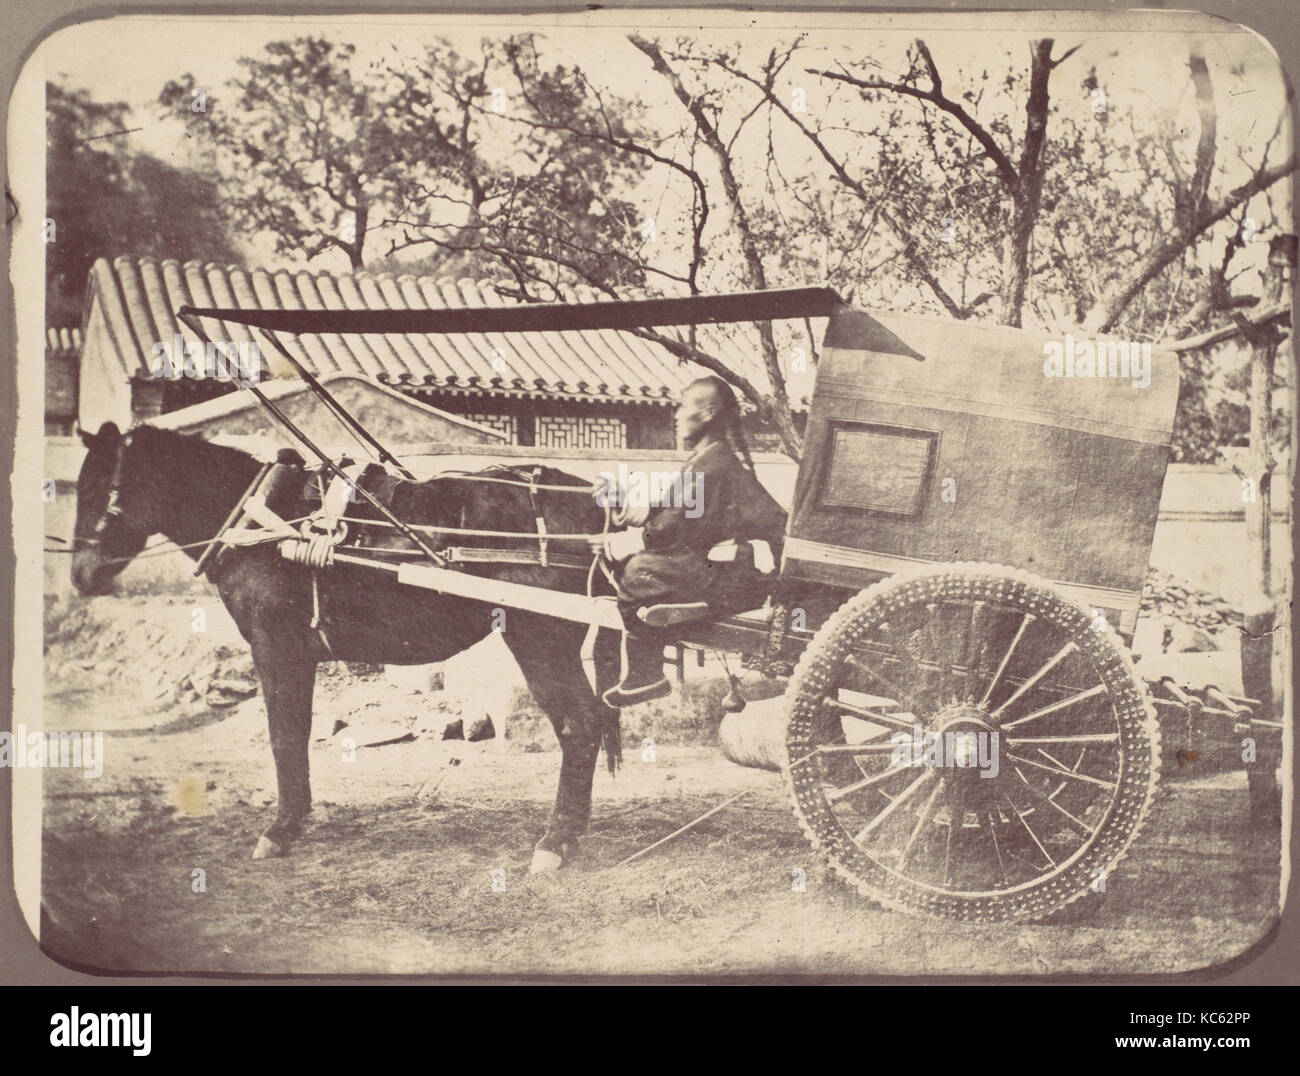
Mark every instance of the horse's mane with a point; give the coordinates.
(192, 445)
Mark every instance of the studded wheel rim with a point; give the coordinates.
(970, 744)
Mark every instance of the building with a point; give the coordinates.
(62, 356)
(606, 389)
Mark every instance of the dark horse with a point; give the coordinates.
(155, 481)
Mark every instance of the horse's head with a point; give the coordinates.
(113, 517)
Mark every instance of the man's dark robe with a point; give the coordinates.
(675, 566)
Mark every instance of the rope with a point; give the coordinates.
(595, 560)
(159, 549)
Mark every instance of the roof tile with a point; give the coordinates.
(139, 298)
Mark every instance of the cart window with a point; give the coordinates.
(878, 468)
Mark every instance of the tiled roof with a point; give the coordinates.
(139, 298)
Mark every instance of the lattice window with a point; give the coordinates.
(506, 424)
(573, 431)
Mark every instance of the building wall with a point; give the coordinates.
(104, 393)
(564, 423)
(390, 416)
(60, 392)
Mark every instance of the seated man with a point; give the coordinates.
(727, 503)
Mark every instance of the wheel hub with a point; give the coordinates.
(966, 743)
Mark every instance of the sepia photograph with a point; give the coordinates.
(637, 493)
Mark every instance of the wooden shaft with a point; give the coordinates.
(340, 412)
(576, 607)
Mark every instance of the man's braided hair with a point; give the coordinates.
(728, 419)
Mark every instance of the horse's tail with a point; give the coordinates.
(611, 738)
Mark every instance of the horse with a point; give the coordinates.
(156, 481)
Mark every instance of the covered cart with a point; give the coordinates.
(964, 734)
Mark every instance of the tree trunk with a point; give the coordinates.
(356, 247)
(1027, 198)
(1260, 468)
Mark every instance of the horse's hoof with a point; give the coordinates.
(545, 862)
(268, 849)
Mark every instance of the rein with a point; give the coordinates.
(155, 550)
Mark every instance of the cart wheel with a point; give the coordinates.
(970, 744)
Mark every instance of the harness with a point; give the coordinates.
(314, 540)
(112, 509)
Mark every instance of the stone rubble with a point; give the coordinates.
(1167, 597)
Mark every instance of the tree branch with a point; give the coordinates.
(757, 276)
(935, 96)
(1194, 211)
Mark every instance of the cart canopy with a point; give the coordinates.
(1019, 448)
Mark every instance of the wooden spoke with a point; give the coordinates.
(1065, 651)
(1060, 772)
(892, 720)
(947, 851)
(1083, 737)
(976, 642)
(865, 783)
(922, 820)
(1092, 692)
(1047, 800)
(812, 754)
(1075, 768)
(894, 805)
(1006, 658)
(993, 832)
(895, 692)
(938, 645)
(872, 748)
(1032, 835)
(1056, 761)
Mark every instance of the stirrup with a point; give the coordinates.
(664, 615)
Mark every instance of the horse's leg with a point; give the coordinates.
(288, 681)
(550, 657)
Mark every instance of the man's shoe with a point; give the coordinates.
(669, 613)
(626, 694)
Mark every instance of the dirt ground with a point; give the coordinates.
(414, 864)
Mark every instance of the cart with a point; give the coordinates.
(964, 734)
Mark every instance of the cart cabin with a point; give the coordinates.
(932, 441)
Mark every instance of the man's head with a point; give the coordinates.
(705, 406)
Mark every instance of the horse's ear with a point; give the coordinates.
(108, 434)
